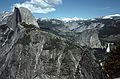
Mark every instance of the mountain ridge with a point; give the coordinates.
(50, 52)
(67, 19)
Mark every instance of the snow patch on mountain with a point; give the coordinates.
(110, 16)
(70, 19)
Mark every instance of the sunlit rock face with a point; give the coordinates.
(27, 16)
(88, 38)
(27, 52)
(3, 17)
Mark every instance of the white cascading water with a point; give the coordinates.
(108, 47)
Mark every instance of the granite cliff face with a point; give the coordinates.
(27, 16)
(88, 38)
(27, 52)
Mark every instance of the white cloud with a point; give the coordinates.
(39, 6)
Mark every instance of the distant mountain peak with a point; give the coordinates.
(110, 16)
(70, 19)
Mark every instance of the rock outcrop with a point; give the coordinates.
(3, 17)
(88, 38)
(27, 17)
(27, 52)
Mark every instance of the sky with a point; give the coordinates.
(65, 8)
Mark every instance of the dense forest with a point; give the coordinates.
(112, 63)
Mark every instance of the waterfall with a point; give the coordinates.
(108, 47)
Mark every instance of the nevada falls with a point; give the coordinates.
(53, 49)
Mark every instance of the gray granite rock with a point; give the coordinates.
(27, 52)
(27, 16)
(88, 38)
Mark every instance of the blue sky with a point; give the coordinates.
(65, 8)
